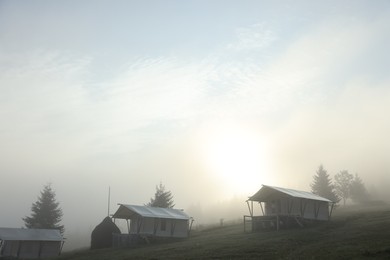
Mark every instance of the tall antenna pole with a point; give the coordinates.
(109, 195)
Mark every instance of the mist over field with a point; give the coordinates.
(213, 99)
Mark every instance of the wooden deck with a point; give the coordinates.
(274, 222)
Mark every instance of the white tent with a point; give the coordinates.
(289, 203)
(30, 243)
(154, 221)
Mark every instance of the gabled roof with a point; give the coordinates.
(129, 211)
(24, 234)
(267, 193)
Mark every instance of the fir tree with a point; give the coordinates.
(162, 198)
(46, 213)
(322, 185)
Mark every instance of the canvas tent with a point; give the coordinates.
(30, 243)
(154, 221)
(288, 204)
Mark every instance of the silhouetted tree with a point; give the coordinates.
(46, 213)
(322, 185)
(162, 198)
(342, 185)
(358, 191)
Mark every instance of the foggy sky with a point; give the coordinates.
(130, 93)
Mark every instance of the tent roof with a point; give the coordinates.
(128, 211)
(24, 234)
(267, 193)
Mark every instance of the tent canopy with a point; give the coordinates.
(129, 211)
(23, 234)
(267, 193)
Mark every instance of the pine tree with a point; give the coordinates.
(358, 191)
(322, 185)
(46, 213)
(162, 198)
(342, 186)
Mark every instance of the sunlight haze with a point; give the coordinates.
(211, 98)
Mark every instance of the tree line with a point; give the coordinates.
(46, 212)
(345, 186)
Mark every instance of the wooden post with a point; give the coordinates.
(155, 226)
(262, 209)
(139, 224)
(249, 208)
(303, 207)
(317, 207)
(40, 249)
(277, 222)
(62, 245)
(331, 209)
(128, 225)
(289, 206)
(19, 247)
(192, 221)
(173, 225)
(244, 225)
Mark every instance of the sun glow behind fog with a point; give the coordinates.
(235, 156)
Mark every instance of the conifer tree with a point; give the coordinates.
(322, 185)
(46, 213)
(162, 198)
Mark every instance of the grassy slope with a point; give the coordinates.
(353, 234)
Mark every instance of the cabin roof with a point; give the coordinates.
(24, 234)
(267, 193)
(129, 211)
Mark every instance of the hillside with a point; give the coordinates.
(351, 234)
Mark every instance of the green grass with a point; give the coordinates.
(351, 234)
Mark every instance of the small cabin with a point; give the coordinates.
(283, 207)
(154, 221)
(30, 243)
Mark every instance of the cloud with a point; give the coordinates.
(150, 100)
(252, 38)
(41, 100)
(60, 108)
(313, 67)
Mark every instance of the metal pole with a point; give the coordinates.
(109, 198)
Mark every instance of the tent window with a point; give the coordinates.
(163, 225)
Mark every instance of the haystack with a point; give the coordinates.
(101, 236)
